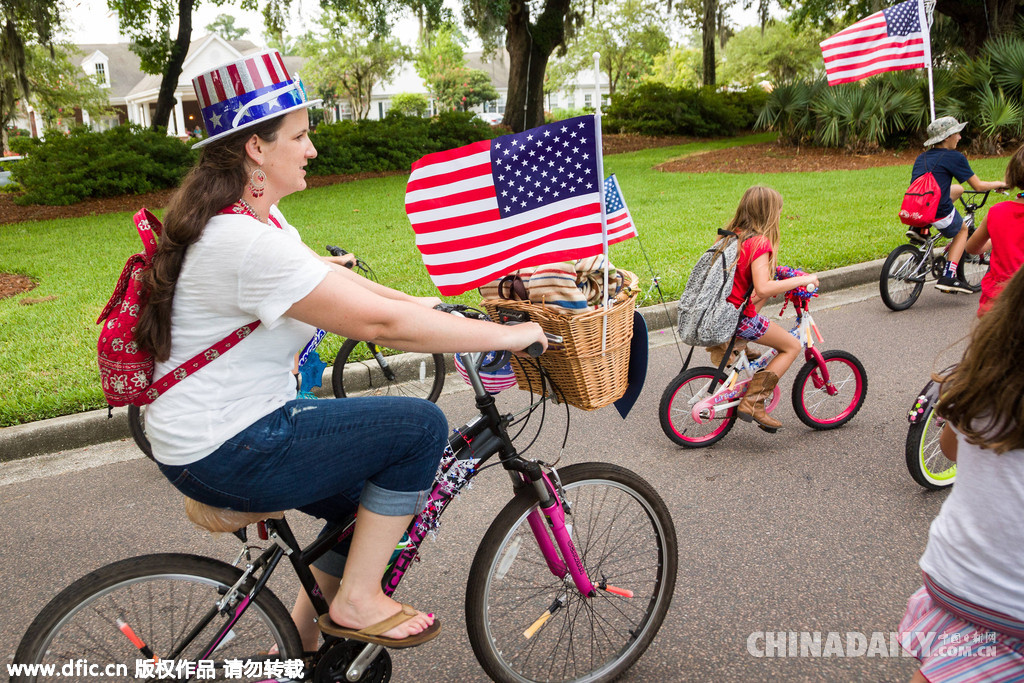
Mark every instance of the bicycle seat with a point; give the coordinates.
(221, 520)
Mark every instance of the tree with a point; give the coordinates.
(441, 63)
(410, 104)
(680, 66)
(224, 26)
(976, 20)
(59, 86)
(477, 89)
(22, 22)
(532, 31)
(147, 23)
(779, 54)
(628, 34)
(708, 16)
(351, 62)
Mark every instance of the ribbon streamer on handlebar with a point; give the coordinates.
(310, 346)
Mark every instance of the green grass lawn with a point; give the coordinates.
(48, 349)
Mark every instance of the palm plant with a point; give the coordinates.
(998, 115)
(1006, 56)
(788, 111)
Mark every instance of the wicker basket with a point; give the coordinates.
(582, 375)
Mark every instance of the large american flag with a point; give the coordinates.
(486, 209)
(890, 40)
(620, 223)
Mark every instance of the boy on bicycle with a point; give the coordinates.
(945, 163)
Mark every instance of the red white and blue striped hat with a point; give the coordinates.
(244, 92)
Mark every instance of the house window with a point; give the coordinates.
(101, 73)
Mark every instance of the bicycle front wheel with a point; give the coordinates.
(972, 268)
(417, 375)
(900, 283)
(167, 604)
(137, 427)
(827, 406)
(625, 536)
(675, 411)
(925, 460)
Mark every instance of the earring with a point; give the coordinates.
(257, 181)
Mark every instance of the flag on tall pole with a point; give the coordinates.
(893, 39)
(485, 209)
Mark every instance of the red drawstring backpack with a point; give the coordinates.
(126, 371)
(921, 201)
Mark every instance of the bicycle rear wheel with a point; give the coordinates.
(900, 283)
(625, 536)
(675, 411)
(418, 375)
(168, 603)
(137, 427)
(925, 460)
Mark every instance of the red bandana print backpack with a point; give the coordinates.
(126, 371)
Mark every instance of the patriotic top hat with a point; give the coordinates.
(242, 93)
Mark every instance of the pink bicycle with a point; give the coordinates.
(571, 582)
(698, 407)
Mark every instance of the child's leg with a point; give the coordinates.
(786, 344)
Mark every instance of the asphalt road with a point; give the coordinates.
(801, 531)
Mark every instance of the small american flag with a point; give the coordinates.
(620, 223)
(486, 209)
(890, 40)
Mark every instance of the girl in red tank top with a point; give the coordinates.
(757, 224)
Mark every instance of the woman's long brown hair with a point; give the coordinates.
(218, 180)
(983, 397)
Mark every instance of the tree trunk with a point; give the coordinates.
(979, 20)
(172, 72)
(529, 48)
(708, 41)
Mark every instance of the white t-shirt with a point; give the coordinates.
(976, 544)
(239, 271)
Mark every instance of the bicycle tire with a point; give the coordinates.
(674, 411)
(137, 427)
(425, 380)
(925, 460)
(899, 293)
(972, 269)
(160, 597)
(815, 407)
(510, 584)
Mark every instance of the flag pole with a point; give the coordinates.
(924, 13)
(600, 185)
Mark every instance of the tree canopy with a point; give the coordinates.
(22, 22)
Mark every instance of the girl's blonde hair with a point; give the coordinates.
(758, 214)
(983, 397)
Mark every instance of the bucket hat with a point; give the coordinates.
(247, 91)
(941, 128)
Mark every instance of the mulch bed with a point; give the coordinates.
(10, 284)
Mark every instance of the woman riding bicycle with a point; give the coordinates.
(757, 224)
(945, 163)
(234, 436)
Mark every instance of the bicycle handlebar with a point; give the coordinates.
(972, 206)
(533, 350)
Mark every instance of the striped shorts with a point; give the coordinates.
(953, 649)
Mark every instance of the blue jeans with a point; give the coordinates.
(325, 457)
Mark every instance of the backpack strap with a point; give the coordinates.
(150, 228)
(198, 361)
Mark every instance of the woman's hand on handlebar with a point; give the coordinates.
(524, 339)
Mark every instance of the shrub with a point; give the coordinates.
(410, 104)
(123, 160)
(393, 143)
(562, 114)
(657, 109)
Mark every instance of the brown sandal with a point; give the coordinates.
(371, 634)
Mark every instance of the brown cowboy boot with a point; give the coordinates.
(718, 351)
(751, 407)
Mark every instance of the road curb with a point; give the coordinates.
(100, 426)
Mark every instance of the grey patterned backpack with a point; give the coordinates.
(705, 317)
